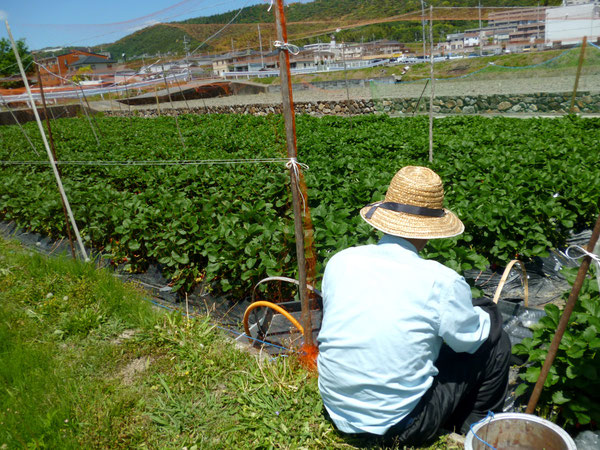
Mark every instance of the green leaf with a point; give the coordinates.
(181, 259)
(558, 398)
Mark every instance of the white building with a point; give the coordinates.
(569, 24)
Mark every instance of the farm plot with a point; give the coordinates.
(519, 186)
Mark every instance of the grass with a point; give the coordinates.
(85, 361)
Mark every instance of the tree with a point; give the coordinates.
(81, 74)
(8, 61)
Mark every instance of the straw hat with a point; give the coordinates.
(413, 207)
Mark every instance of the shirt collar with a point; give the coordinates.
(389, 239)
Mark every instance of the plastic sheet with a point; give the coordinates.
(546, 284)
(588, 440)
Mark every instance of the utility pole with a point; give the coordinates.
(423, 25)
(232, 48)
(480, 38)
(432, 85)
(262, 61)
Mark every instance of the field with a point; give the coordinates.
(519, 185)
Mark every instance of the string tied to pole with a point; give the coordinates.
(582, 252)
(291, 48)
(295, 167)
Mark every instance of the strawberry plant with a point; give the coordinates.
(519, 185)
(572, 389)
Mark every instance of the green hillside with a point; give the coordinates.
(152, 40)
(307, 22)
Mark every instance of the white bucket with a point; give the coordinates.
(517, 431)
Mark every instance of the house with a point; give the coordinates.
(56, 68)
(95, 62)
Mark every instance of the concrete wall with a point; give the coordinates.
(26, 115)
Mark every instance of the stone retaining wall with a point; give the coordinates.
(483, 104)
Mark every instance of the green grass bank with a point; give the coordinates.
(86, 362)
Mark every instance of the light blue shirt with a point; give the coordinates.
(386, 312)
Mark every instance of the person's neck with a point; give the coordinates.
(418, 243)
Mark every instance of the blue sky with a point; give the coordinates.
(76, 22)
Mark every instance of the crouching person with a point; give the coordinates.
(403, 348)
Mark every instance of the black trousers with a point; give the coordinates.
(466, 388)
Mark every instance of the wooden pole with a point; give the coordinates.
(564, 321)
(290, 133)
(431, 76)
(581, 57)
(43, 134)
(53, 150)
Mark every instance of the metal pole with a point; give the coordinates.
(290, 132)
(172, 107)
(581, 57)
(432, 85)
(564, 321)
(43, 134)
(53, 150)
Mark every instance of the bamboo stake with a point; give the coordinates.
(421, 96)
(43, 134)
(564, 321)
(88, 117)
(290, 132)
(157, 102)
(89, 108)
(432, 85)
(172, 107)
(20, 126)
(53, 150)
(183, 95)
(581, 57)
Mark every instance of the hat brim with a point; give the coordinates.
(413, 226)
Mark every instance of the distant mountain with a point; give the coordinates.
(307, 22)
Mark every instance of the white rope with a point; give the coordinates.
(294, 165)
(293, 49)
(172, 162)
(270, 6)
(583, 251)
